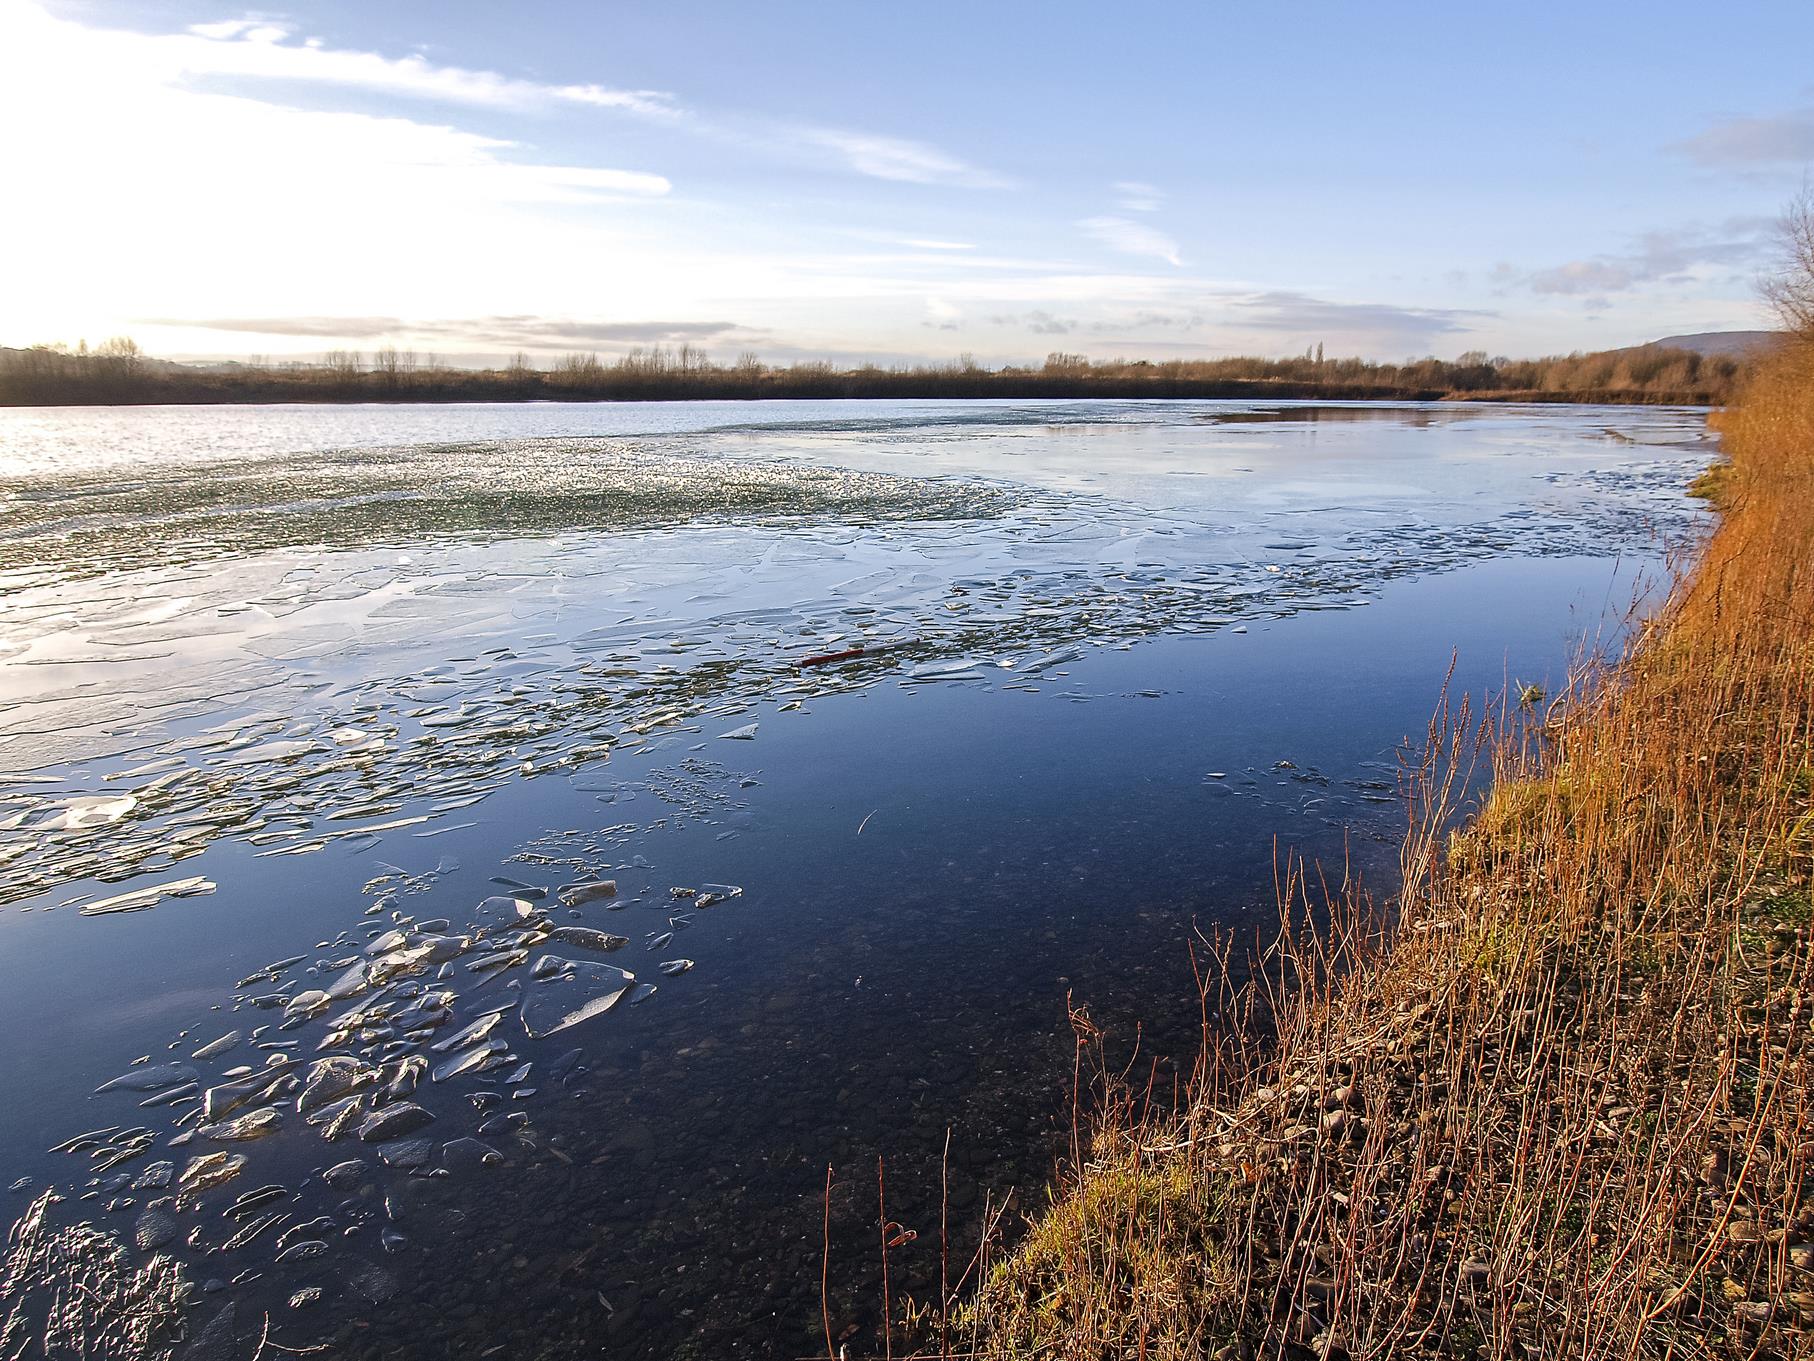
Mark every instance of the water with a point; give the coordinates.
(344, 665)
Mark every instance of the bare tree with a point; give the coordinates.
(343, 364)
(1790, 290)
(121, 354)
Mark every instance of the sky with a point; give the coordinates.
(894, 183)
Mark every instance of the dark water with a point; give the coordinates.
(1091, 613)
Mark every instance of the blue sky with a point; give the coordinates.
(894, 182)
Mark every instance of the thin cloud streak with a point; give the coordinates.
(263, 50)
(1132, 238)
(1660, 256)
(900, 158)
(1302, 315)
(504, 331)
(1779, 139)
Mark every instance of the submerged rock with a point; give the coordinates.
(463, 1153)
(565, 1066)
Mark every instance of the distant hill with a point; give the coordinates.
(1718, 344)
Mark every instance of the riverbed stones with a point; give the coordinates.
(461, 1154)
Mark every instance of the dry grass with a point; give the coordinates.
(1562, 1107)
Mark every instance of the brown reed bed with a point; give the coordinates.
(1557, 1101)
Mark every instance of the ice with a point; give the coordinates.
(580, 991)
(137, 900)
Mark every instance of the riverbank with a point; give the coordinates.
(121, 376)
(1563, 1106)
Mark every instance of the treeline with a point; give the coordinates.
(117, 372)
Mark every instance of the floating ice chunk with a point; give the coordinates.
(273, 751)
(92, 810)
(466, 1060)
(393, 1122)
(253, 1125)
(586, 938)
(210, 1169)
(1050, 660)
(747, 733)
(150, 1079)
(332, 1079)
(573, 895)
(471, 1034)
(579, 992)
(141, 898)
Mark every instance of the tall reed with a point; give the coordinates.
(1557, 1102)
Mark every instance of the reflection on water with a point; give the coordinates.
(512, 928)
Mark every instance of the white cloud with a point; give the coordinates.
(900, 158)
(152, 197)
(261, 50)
(1137, 196)
(1132, 238)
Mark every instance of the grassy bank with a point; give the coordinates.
(1563, 1107)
